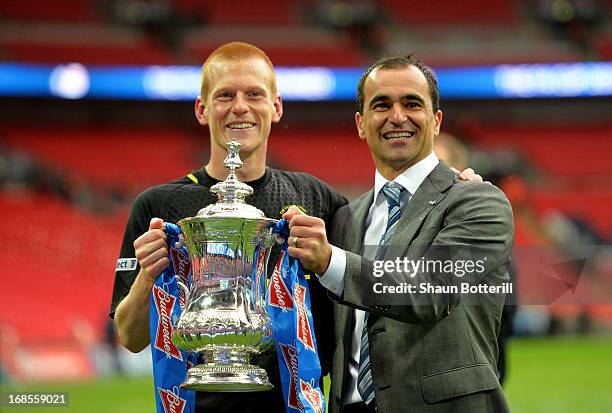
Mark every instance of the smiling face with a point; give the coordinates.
(398, 120)
(240, 104)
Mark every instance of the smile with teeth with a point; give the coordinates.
(390, 136)
(243, 125)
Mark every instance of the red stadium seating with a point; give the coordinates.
(556, 149)
(335, 155)
(275, 12)
(49, 10)
(452, 12)
(574, 161)
(337, 54)
(140, 52)
(60, 261)
(106, 156)
(604, 47)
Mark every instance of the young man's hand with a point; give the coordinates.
(152, 250)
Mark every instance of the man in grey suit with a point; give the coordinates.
(429, 351)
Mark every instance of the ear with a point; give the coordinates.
(278, 109)
(438, 121)
(358, 120)
(200, 111)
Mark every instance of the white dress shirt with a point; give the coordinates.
(375, 225)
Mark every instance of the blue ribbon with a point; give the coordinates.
(170, 364)
(288, 305)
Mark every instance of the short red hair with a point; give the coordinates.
(235, 51)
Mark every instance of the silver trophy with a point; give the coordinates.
(225, 311)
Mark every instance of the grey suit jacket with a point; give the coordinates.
(427, 358)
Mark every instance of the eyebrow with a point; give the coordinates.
(376, 99)
(409, 96)
(414, 96)
(225, 88)
(258, 89)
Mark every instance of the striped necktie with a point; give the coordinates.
(365, 387)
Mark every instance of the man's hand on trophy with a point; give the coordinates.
(308, 240)
(152, 250)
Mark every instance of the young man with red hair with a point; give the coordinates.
(239, 100)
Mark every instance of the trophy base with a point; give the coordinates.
(227, 378)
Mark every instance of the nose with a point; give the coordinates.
(397, 116)
(240, 105)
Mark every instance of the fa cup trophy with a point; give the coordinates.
(225, 311)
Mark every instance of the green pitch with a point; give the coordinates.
(558, 375)
(110, 395)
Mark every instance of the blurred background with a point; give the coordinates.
(96, 104)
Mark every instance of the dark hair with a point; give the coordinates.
(398, 62)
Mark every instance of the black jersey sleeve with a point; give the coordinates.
(334, 200)
(143, 209)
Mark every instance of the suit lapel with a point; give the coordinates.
(428, 195)
(352, 241)
(356, 224)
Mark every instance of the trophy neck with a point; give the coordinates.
(231, 193)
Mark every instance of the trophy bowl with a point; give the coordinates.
(225, 315)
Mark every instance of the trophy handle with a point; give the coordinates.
(185, 290)
(279, 235)
(175, 231)
(181, 241)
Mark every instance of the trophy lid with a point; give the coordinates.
(231, 192)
